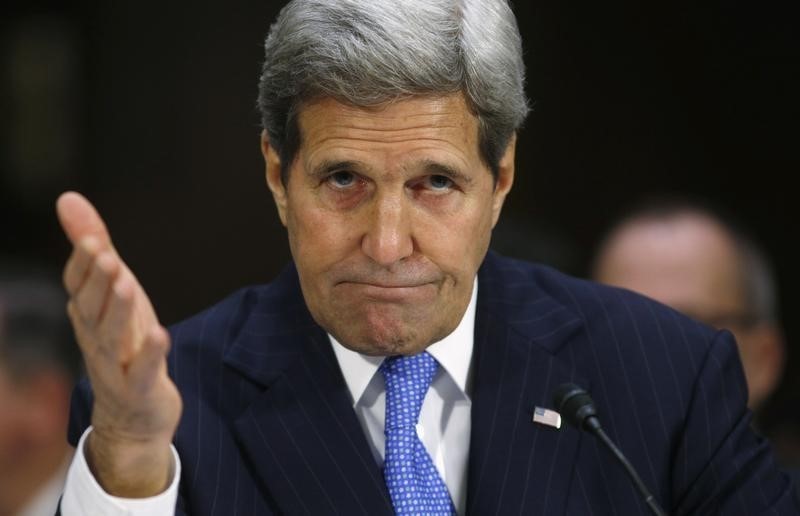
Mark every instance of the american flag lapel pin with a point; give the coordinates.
(547, 417)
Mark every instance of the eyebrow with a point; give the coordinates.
(437, 168)
(328, 167)
(431, 167)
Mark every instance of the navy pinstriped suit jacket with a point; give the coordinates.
(268, 424)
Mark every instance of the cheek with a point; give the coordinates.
(319, 238)
(459, 239)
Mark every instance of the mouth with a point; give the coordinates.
(379, 284)
(389, 292)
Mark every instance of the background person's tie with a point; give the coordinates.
(413, 481)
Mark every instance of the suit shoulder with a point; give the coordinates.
(279, 300)
(223, 313)
(614, 314)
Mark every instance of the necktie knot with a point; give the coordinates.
(407, 381)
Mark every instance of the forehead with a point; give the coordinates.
(442, 126)
(689, 263)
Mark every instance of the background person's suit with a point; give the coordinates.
(268, 424)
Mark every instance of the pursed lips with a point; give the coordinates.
(384, 291)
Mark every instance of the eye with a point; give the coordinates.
(342, 179)
(440, 183)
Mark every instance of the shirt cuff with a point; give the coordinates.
(83, 494)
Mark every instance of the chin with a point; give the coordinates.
(386, 340)
(383, 342)
(379, 340)
(379, 329)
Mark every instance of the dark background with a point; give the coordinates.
(149, 109)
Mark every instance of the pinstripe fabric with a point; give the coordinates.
(268, 426)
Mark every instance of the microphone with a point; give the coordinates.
(576, 406)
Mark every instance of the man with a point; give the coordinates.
(394, 366)
(685, 256)
(39, 364)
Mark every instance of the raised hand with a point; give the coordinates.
(136, 405)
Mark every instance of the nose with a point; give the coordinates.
(388, 238)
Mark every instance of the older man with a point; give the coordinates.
(394, 366)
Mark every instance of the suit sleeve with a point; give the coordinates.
(721, 465)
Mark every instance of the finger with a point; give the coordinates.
(117, 328)
(80, 219)
(76, 271)
(88, 344)
(149, 363)
(91, 299)
(81, 334)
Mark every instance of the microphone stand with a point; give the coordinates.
(577, 407)
(592, 424)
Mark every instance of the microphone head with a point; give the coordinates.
(575, 405)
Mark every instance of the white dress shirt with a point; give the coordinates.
(444, 426)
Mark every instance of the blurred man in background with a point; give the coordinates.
(39, 363)
(687, 257)
(691, 258)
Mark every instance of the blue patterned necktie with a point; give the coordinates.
(413, 481)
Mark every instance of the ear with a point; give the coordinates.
(764, 361)
(273, 170)
(505, 178)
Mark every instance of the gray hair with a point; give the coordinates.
(369, 52)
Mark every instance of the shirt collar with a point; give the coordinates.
(454, 354)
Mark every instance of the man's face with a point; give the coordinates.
(389, 212)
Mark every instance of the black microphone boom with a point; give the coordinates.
(576, 406)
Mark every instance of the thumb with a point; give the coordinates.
(80, 219)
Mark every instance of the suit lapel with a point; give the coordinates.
(307, 447)
(518, 466)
